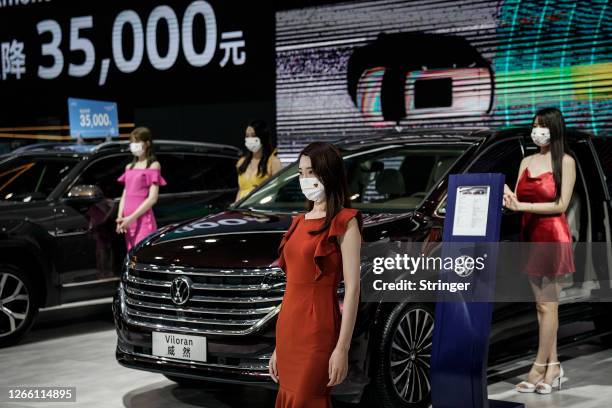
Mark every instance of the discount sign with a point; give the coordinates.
(89, 119)
(160, 36)
(141, 54)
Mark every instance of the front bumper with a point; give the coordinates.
(186, 369)
(241, 360)
(238, 360)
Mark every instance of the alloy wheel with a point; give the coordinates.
(410, 355)
(14, 303)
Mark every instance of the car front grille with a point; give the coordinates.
(221, 301)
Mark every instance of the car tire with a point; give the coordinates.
(18, 305)
(402, 358)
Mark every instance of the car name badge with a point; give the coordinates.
(180, 346)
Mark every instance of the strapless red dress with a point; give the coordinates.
(556, 257)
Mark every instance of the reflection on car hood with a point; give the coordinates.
(230, 239)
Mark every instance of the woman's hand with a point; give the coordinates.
(118, 221)
(272, 367)
(338, 366)
(511, 202)
(123, 224)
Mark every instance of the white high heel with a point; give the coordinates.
(526, 386)
(545, 388)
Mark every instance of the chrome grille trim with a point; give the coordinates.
(212, 286)
(134, 312)
(178, 270)
(243, 312)
(150, 282)
(223, 302)
(146, 293)
(186, 329)
(212, 299)
(205, 286)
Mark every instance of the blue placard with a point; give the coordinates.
(92, 119)
(462, 325)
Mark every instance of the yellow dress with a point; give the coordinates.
(247, 182)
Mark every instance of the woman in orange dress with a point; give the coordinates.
(321, 248)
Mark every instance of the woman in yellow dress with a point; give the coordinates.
(260, 162)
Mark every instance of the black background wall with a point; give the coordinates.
(213, 102)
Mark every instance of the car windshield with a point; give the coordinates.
(31, 178)
(388, 179)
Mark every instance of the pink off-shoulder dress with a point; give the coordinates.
(137, 183)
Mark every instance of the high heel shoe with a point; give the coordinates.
(545, 388)
(526, 386)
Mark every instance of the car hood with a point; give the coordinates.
(230, 239)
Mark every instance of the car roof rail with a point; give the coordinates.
(36, 146)
(404, 133)
(161, 142)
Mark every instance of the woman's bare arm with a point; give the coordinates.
(121, 204)
(275, 165)
(350, 246)
(238, 163)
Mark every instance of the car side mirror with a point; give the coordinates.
(84, 193)
(440, 210)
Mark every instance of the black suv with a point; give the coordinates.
(58, 204)
(199, 300)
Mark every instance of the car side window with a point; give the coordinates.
(502, 157)
(32, 179)
(197, 172)
(104, 173)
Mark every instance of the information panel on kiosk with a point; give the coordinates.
(92, 119)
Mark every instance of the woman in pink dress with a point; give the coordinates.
(142, 178)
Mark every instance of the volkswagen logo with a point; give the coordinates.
(180, 290)
(460, 266)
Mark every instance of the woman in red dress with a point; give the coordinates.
(543, 192)
(321, 248)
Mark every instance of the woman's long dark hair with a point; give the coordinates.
(328, 167)
(263, 133)
(143, 134)
(552, 118)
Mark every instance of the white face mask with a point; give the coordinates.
(136, 148)
(540, 136)
(312, 188)
(252, 143)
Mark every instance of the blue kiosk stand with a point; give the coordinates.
(463, 321)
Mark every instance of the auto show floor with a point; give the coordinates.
(76, 348)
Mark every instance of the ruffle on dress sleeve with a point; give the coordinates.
(121, 178)
(329, 243)
(286, 235)
(154, 176)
